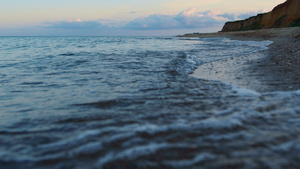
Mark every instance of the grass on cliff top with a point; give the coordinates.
(295, 23)
(254, 26)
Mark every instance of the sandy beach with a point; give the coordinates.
(275, 69)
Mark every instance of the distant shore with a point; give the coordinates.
(275, 69)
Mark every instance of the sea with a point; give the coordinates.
(130, 103)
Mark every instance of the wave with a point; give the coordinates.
(133, 105)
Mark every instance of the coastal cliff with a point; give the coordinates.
(283, 15)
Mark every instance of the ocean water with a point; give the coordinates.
(129, 102)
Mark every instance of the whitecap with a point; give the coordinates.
(132, 153)
(227, 123)
(245, 92)
(188, 163)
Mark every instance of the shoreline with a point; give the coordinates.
(274, 69)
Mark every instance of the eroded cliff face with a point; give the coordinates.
(283, 15)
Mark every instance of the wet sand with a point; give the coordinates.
(275, 69)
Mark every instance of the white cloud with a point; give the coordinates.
(249, 14)
(192, 19)
(152, 22)
(76, 24)
(189, 19)
(185, 19)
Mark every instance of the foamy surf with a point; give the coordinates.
(103, 102)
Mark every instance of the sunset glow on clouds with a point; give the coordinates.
(116, 17)
(185, 19)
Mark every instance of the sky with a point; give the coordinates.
(123, 17)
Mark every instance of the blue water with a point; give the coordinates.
(129, 102)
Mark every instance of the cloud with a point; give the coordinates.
(229, 16)
(74, 25)
(132, 12)
(152, 22)
(241, 16)
(192, 19)
(249, 14)
(185, 19)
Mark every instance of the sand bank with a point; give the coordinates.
(275, 69)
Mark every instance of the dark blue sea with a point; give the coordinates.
(130, 103)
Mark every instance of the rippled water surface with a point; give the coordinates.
(128, 102)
